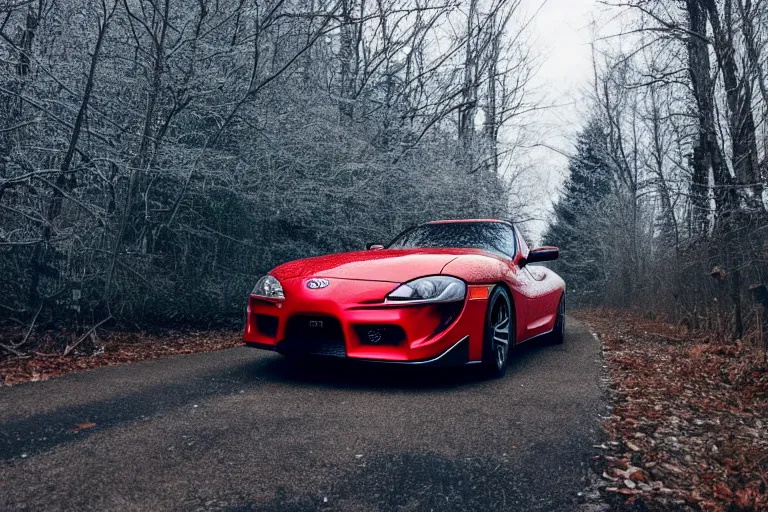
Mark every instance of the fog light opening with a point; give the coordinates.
(374, 336)
(380, 334)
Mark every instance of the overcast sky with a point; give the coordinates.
(562, 33)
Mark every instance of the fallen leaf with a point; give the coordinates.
(723, 492)
(672, 467)
(745, 498)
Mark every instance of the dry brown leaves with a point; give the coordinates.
(688, 429)
(106, 349)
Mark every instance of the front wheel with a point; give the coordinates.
(498, 333)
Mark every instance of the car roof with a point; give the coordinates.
(454, 221)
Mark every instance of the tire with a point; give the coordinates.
(557, 336)
(499, 333)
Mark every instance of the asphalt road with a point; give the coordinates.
(242, 429)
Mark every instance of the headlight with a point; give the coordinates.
(430, 289)
(268, 287)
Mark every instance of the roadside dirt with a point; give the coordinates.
(104, 348)
(689, 415)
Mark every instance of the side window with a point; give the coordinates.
(504, 239)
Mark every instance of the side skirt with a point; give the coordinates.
(533, 338)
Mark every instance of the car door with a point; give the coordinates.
(519, 281)
(537, 291)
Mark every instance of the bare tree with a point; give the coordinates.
(155, 156)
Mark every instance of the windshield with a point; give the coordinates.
(493, 237)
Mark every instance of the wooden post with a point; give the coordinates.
(760, 296)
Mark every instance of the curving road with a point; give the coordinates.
(242, 429)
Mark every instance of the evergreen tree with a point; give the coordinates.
(589, 183)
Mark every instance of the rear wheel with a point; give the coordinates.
(498, 333)
(557, 337)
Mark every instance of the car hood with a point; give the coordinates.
(394, 265)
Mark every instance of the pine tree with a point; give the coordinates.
(584, 193)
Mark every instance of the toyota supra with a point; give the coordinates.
(441, 293)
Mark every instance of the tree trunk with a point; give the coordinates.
(346, 56)
(738, 97)
(62, 183)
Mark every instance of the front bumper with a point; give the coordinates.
(457, 355)
(348, 312)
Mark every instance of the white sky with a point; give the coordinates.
(561, 33)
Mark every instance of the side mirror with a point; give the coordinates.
(541, 254)
(373, 247)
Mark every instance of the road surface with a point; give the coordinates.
(243, 429)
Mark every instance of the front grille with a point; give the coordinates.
(311, 334)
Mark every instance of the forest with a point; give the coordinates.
(665, 206)
(158, 156)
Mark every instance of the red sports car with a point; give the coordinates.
(444, 292)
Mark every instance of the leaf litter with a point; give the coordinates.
(687, 430)
(107, 349)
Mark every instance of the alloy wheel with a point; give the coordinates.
(499, 333)
(500, 323)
